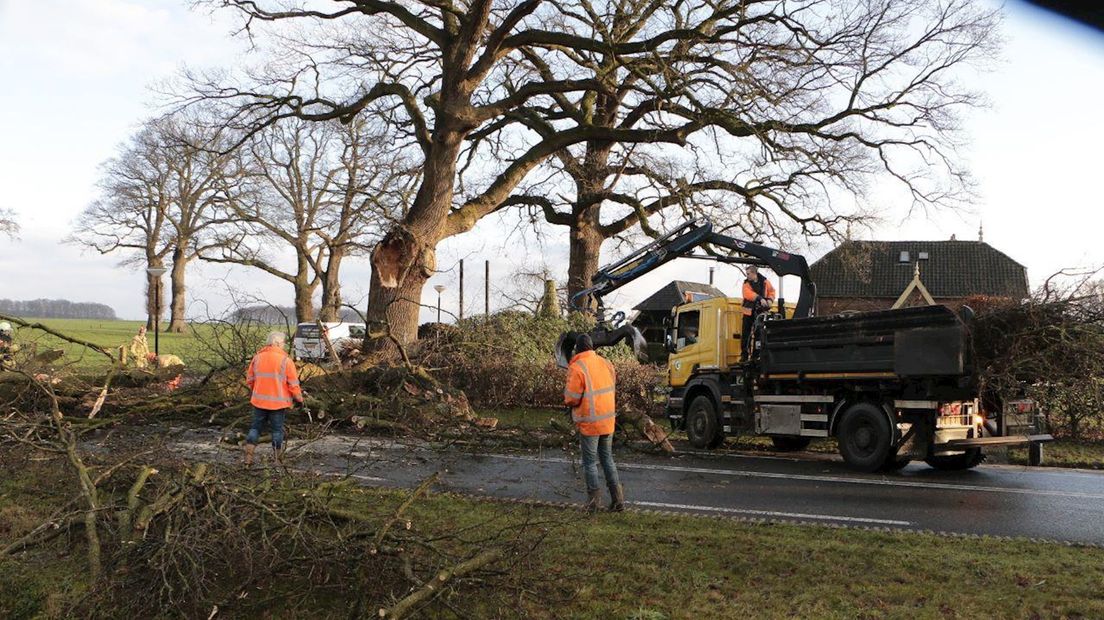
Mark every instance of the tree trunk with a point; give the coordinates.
(153, 304)
(331, 288)
(406, 257)
(586, 238)
(304, 306)
(179, 301)
(394, 310)
(584, 256)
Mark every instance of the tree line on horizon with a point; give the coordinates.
(57, 309)
(381, 129)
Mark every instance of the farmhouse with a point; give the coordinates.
(872, 275)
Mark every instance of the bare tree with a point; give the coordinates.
(132, 211)
(456, 77)
(161, 198)
(811, 99)
(319, 190)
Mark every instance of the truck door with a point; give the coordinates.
(691, 345)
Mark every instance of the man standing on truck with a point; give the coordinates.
(275, 385)
(591, 382)
(758, 296)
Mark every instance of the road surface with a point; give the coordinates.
(997, 500)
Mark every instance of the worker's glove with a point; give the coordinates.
(765, 303)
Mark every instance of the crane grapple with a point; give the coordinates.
(603, 337)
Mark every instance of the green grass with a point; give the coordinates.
(1065, 453)
(637, 565)
(109, 335)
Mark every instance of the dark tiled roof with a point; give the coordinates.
(671, 295)
(953, 269)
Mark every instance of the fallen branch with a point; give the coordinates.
(434, 586)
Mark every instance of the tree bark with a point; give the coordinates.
(405, 259)
(304, 306)
(331, 288)
(584, 255)
(394, 310)
(179, 301)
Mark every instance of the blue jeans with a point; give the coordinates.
(594, 449)
(274, 418)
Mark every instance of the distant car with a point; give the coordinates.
(308, 343)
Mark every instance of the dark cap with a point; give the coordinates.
(583, 343)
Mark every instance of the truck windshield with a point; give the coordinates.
(306, 331)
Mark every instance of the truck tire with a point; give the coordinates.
(865, 438)
(957, 462)
(786, 443)
(894, 462)
(702, 427)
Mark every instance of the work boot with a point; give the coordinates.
(250, 448)
(617, 498)
(278, 455)
(594, 499)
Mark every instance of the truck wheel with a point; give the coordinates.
(1035, 454)
(784, 443)
(702, 428)
(957, 462)
(895, 463)
(865, 440)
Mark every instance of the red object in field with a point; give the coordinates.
(174, 383)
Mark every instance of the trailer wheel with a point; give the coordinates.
(786, 443)
(702, 428)
(957, 462)
(865, 439)
(1035, 454)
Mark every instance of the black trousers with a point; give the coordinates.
(745, 335)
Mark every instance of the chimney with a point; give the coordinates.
(953, 238)
(981, 231)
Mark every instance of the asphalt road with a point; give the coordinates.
(998, 500)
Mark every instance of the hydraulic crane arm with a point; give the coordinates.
(680, 243)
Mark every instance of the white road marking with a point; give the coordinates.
(836, 479)
(770, 513)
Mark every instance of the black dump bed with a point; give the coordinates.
(910, 342)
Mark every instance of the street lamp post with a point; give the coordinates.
(440, 288)
(156, 273)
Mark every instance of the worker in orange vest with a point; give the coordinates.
(275, 384)
(589, 392)
(758, 296)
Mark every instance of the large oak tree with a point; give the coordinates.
(811, 101)
(460, 80)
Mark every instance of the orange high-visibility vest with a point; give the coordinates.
(754, 292)
(590, 390)
(273, 378)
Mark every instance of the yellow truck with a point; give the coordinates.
(891, 386)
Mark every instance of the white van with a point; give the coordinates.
(309, 345)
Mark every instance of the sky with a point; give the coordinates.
(76, 76)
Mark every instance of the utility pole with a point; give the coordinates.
(461, 289)
(711, 276)
(487, 287)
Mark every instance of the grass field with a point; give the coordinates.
(110, 335)
(654, 567)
